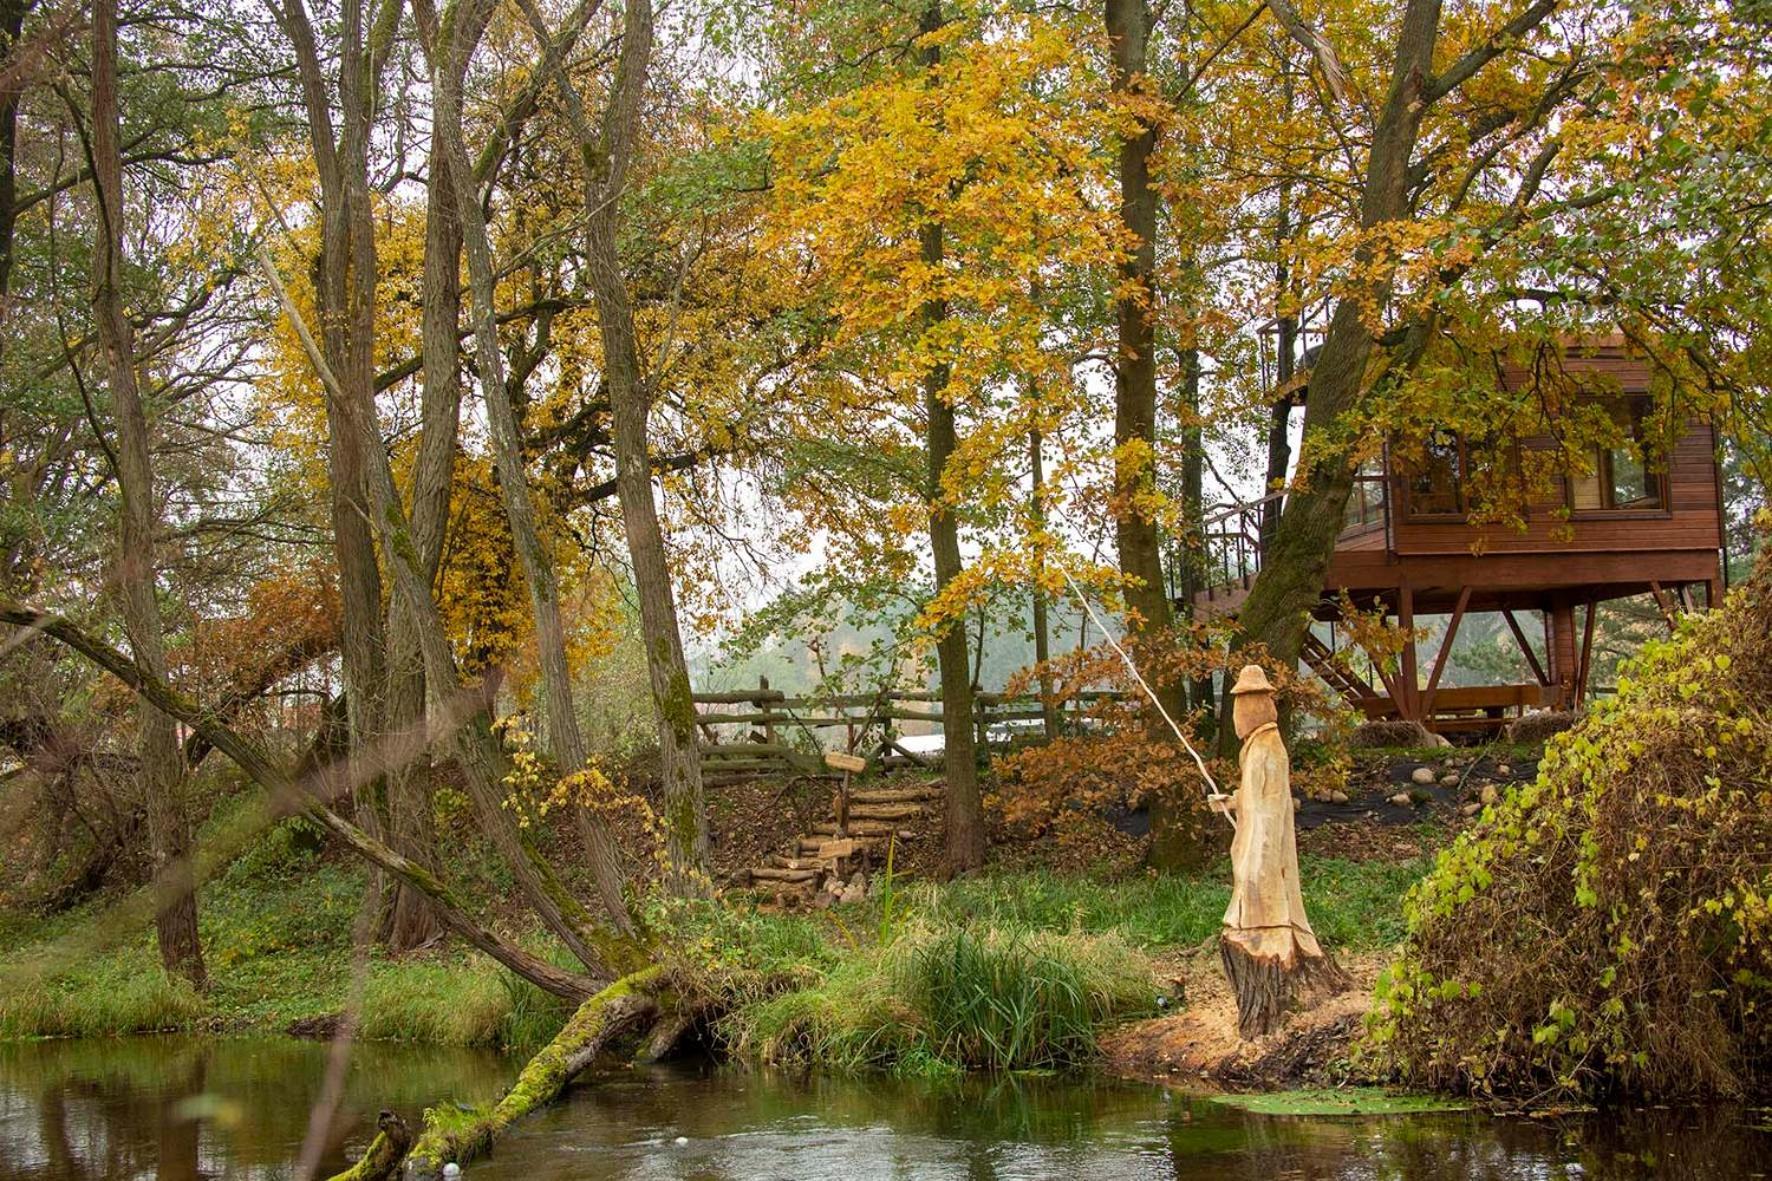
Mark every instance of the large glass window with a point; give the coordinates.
(1621, 476)
(1436, 479)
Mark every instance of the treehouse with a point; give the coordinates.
(1639, 512)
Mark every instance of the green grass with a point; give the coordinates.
(276, 939)
(998, 970)
(110, 996)
(1358, 1101)
(951, 997)
(1353, 904)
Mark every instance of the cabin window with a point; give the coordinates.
(1620, 478)
(1436, 478)
(1365, 504)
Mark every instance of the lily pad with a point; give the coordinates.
(1342, 1101)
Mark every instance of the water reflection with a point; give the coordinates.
(180, 1109)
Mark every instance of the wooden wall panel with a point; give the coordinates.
(1690, 522)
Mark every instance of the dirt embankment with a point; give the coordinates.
(1199, 1047)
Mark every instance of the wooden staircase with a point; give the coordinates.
(1321, 660)
(819, 866)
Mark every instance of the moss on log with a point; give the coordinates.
(385, 1152)
(453, 1135)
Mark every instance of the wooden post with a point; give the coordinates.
(1407, 682)
(1562, 651)
(1587, 654)
(764, 707)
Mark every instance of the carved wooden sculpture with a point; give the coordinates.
(1268, 948)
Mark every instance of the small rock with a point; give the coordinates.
(1401, 799)
(452, 1169)
(1489, 795)
(824, 900)
(1338, 797)
(1297, 803)
(1448, 780)
(1423, 775)
(1503, 769)
(1471, 809)
(680, 1141)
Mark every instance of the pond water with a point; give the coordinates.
(187, 1108)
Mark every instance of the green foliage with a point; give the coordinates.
(951, 997)
(1605, 928)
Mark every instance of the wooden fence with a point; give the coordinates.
(763, 730)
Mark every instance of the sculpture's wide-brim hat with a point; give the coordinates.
(1253, 679)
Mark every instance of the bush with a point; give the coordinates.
(1604, 930)
(950, 997)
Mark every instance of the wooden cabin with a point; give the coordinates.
(1642, 517)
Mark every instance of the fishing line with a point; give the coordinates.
(1215, 793)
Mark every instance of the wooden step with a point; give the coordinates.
(828, 847)
(771, 873)
(897, 795)
(778, 861)
(885, 811)
(866, 828)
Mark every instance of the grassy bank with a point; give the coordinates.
(1002, 969)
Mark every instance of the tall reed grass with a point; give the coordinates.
(949, 997)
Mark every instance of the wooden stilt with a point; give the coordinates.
(1562, 650)
(1407, 706)
(1587, 653)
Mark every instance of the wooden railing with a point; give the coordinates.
(764, 731)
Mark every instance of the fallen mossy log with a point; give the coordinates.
(628, 1005)
(386, 1151)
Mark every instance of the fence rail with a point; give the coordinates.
(767, 719)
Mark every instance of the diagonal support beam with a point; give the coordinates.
(1433, 680)
(1525, 647)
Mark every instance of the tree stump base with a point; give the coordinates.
(1270, 984)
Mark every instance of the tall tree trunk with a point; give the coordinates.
(412, 829)
(605, 152)
(1042, 644)
(565, 740)
(12, 23)
(1277, 611)
(1279, 444)
(1135, 357)
(1175, 829)
(965, 807)
(162, 767)
(344, 290)
(1193, 495)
